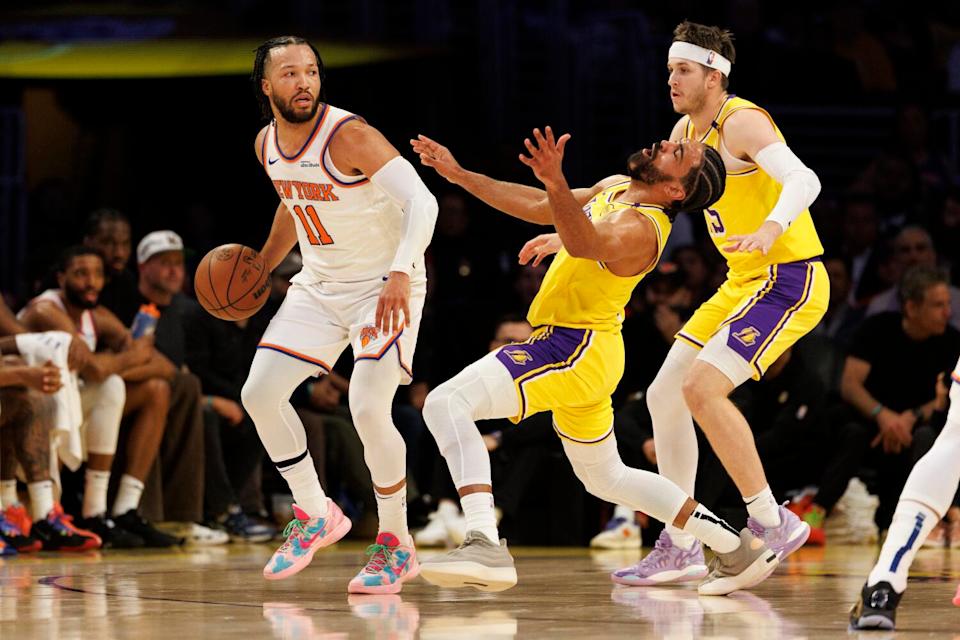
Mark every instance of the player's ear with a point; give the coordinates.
(265, 86)
(674, 190)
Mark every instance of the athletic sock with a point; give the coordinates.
(41, 499)
(95, 493)
(680, 538)
(763, 508)
(624, 512)
(8, 492)
(912, 523)
(301, 477)
(712, 531)
(392, 512)
(479, 514)
(128, 495)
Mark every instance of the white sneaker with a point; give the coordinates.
(434, 534)
(456, 528)
(195, 534)
(619, 533)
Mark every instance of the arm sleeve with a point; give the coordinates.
(400, 181)
(800, 184)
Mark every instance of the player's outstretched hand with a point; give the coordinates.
(760, 240)
(394, 300)
(540, 247)
(433, 154)
(546, 156)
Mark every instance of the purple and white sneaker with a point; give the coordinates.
(785, 538)
(665, 564)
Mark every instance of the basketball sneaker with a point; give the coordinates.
(956, 598)
(620, 533)
(136, 524)
(305, 536)
(665, 563)
(814, 515)
(390, 565)
(477, 563)
(876, 608)
(435, 533)
(112, 536)
(14, 538)
(16, 514)
(748, 565)
(786, 537)
(6, 550)
(58, 533)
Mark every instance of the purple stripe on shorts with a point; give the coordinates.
(750, 332)
(556, 347)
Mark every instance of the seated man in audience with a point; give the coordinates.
(25, 433)
(888, 385)
(123, 377)
(913, 246)
(108, 231)
(180, 476)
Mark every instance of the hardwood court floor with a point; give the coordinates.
(219, 592)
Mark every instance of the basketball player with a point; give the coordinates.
(363, 219)
(925, 499)
(608, 237)
(775, 292)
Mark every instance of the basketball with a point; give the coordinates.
(232, 282)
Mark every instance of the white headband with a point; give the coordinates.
(696, 53)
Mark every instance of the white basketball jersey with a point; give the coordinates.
(87, 330)
(348, 228)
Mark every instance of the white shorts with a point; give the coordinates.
(317, 321)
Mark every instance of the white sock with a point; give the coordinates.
(711, 530)
(95, 493)
(392, 511)
(8, 492)
(625, 512)
(912, 523)
(304, 484)
(763, 508)
(478, 511)
(41, 499)
(680, 538)
(128, 496)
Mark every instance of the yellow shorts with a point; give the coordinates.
(766, 313)
(572, 373)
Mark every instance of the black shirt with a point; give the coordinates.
(903, 371)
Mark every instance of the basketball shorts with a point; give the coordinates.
(571, 372)
(755, 319)
(317, 321)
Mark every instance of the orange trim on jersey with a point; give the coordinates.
(323, 155)
(383, 350)
(294, 354)
(306, 145)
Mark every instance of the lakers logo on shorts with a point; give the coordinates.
(519, 356)
(368, 335)
(747, 336)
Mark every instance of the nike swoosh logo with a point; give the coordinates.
(273, 161)
(399, 570)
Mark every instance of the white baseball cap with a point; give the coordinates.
(157, 242)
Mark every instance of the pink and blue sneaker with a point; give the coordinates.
(665, 564)
(786, 537)
(390, 565)
(305, 536)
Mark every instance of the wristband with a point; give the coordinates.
(876, 410)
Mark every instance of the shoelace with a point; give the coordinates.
(380, 557)
(294, 525)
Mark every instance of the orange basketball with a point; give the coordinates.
(232, 282)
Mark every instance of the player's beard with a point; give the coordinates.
(640, 167)
(289, 113)
(76, 298)
(695, 102)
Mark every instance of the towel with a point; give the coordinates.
(67, 414)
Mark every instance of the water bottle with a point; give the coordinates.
(145, 322)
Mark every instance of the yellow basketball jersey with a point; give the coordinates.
(583, 294)
(749, 197)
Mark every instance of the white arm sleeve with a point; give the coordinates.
(800, 184)
(400, 181)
